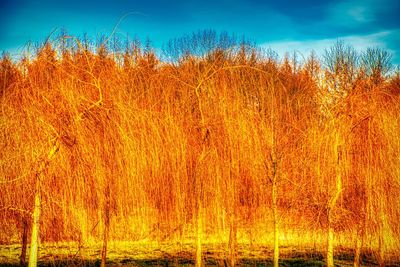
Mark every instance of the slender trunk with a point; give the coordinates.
(276, 222)
(381, 233)
(381, 255)
(106, 227)
(357, 251)
(274, 197)
(33, 253)
(359, 243)
(274, 184)
(332, 203)
(22, 259)
(104, 248)
(329, 252)
(199, 197)
(232, 243)
(198, 237)
(232, 240)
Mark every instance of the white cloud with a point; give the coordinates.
(359, 42)
(353, 13)
(360, 14)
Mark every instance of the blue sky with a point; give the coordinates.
(283, 25)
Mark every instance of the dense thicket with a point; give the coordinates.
(223, 145)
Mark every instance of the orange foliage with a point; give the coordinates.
(151, 141)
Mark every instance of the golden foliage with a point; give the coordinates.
(152, 141)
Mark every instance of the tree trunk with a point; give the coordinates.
(381, 254)
(357, 252)
(232, 240)
(329, 252)
(104, 248)
(33, 253)
(106, 222)
(332, 203)
(359, 245)
(199, 262)
(275, 211)
(22, 260)
(276, 222)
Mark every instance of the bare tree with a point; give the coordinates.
(341, 62)
(198, 44)
(376, 63)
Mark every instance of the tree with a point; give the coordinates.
(376, 62)
(341, 63)
(33, 253)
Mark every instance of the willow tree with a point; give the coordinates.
(374, 162)
(278, 128)
(341, 64)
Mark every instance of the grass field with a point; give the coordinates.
(148, 254)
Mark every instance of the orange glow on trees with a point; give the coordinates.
(230, 146)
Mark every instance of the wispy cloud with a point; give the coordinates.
(352, 13)
(359, 42)
(355, 13)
